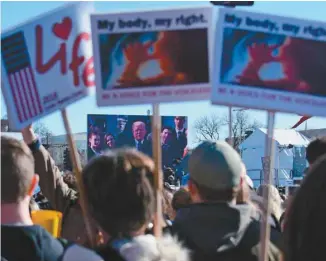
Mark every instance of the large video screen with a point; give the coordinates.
(115, 131)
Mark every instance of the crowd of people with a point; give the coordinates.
(216, 217)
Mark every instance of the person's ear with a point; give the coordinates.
(34, 184)
(190, 186)
(193, 190)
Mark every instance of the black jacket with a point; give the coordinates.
(28, 243)
(221, 231)
(179, 143)
(90, 153)
(34, 243)
(122, 139)
(145, 147)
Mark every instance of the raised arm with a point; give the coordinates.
(52, 185)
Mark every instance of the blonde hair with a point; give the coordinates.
(17, 170)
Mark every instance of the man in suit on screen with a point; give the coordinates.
(94, 145)
(139, 133)
(121, 137)
(169, 152)
(179, 134)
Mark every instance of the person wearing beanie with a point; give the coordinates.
(214, 227)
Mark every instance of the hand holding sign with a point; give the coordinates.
(37, 82)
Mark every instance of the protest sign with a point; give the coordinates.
(47, 63)
(152, 57)
(270, 62)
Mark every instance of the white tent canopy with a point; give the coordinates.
(253, 149)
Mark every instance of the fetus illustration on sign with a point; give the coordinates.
(274, 61)
(163, 58)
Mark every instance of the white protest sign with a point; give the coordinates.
(47, 63)
(151, 57)
(270, 62)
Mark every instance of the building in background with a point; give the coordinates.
(56, 145)
(289, 154)
(59, 144)
(314, 133)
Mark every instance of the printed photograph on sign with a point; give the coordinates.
(107, 132)
(153, 56)
(47, 63)
(270, 62)
(165, 58)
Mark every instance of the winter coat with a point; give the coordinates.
(223, 231)
(146, 248)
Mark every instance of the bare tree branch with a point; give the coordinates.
(255, 125)
(208, 128)
(241, 126)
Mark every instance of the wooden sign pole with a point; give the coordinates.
(269, 154)
(158, 179)
(230, 126)
(77, 170)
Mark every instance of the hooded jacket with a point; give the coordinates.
(146, 248)
(221, 231)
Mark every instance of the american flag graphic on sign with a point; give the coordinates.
(21, 78)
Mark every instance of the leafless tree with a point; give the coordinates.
(43, 132)
(241, 126)
(208, 128)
